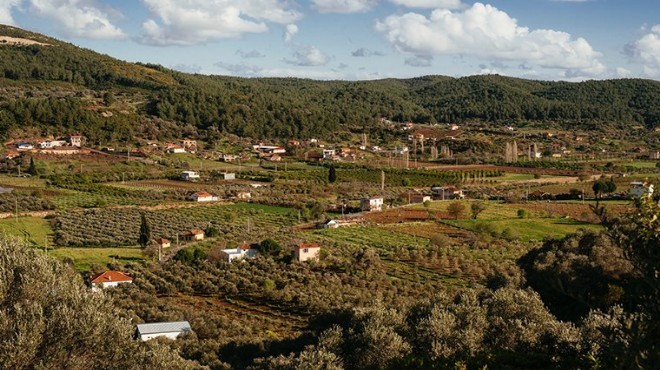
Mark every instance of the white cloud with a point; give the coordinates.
(646, 50)
(79, 18)
(364, 52)
(431, 4)
(419, 61)
(5, 11)
(484, 32)
(308, 56)
(289, 31)
(186, 22)
(250, 54)
(240, 69)
(344, 6)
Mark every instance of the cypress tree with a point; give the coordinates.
(332, 174)
(145, 232)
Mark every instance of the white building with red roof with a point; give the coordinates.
(241, 252)
(109, 279)
(307, 251)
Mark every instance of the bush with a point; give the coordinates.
(522, 213)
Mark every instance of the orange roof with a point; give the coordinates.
(245, 246)
(196, 232)
(203, 194)
(307, 245)
(163, 241)
(110, 276)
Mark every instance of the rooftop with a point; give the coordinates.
(164, 327)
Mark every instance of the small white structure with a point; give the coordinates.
(243, 195)
(202, 196)
(109, 279)
(454, 127)
(24, 146)
(49, 144)
(189, 176)
(228, 157)
(75, 140)
(446, 192)
(241, 252)
(228, 176)
(195, 234)
(330, 224)
(170, 330)
(176, 149)
(328, 153)
(307, 251)
(640, 189)
(371, 204)
(401, 150)
(163, 243)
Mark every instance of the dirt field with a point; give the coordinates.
(402, 214)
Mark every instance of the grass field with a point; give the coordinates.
(84, 258)
(34, 230)
(529, 229)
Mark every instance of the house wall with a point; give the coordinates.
(306, 254)
(146, 337)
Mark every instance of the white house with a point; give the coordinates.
(202, 196)
(447, 192)
(401, 150)
(194, 234)
(307, 251)
(639, 189)
(176, 149)
(109, 279)
(48, 144)
(371, 204)
(242, 251)
(189, 176)
(170, 330)
(75, 140)
(243, 195)
(328, 153)
(24, 146)
(330, 224)
(228, 176)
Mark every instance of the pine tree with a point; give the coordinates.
(145, 232)
(332, 174)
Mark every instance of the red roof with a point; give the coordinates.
(163, 241)
(203, 194)
(110, 276)
(245, 246)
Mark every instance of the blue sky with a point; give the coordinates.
(362, 39)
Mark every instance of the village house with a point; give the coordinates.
(654, 154)
(193, 235)
(241, 252)
(306, 252)
(329, 224)
(419, 198)
(163, 243)
(400, 150)
(371, 204)
(109, 279)
(640, 189)
(228, 176)
(273, 158)
(189, 176)
(175, 149)
(76, 140)
(328, 153)
(243, 195)
(48, 144)
(446, 192)
(189, 145)
(170, 330)
(202, 196)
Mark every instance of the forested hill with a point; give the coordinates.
(56, 86)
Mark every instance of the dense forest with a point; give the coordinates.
(58, 86)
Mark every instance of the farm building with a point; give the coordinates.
(76, 140)
(371, 204)
(228, 176)
(163, 243)
(330, 224)
(242, 251)
(189, 176)
(419, 198)
(176, 149)
(194, 234)
(639, 189)
(307, 251)
(171, 330)
(48, 144)
(202, 196)
(446, 192)
(109, 279)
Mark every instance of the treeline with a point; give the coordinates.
(290, 107)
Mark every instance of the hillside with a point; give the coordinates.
(53, 86)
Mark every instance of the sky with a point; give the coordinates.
(571, 40)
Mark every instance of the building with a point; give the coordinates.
(640, 189)
(189, 176)
(228, 176)
(228, 157)
(109, 279)
(170, 330)
(76, 140)
(48, 144)
(243, 195)
(654, 154)
(446, 192)
(189, 145)
(163, 243)
(307, 251)
(175, 149)
(330, 224)
(371, 204)
(419, 198)
(193, 235)
(273, 158)
(11, 154)
(241, 252)
(328, 153)
(24, 146)
(202, 196)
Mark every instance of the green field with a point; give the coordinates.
(529, 229)
(84, 258)
(34, 230)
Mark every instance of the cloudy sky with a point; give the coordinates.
(362, 39)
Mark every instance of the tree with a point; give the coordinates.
(476, 208)
(456, 209)
(269, 247)
(32, 170)
(51, 320)
(145, 231)
(332, 174)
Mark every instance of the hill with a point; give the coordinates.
(53, 86)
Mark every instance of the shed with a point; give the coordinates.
(170, 330)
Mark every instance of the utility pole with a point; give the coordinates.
(19, 170)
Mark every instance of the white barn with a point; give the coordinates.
(170, 330)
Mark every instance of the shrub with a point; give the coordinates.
(522, 213)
